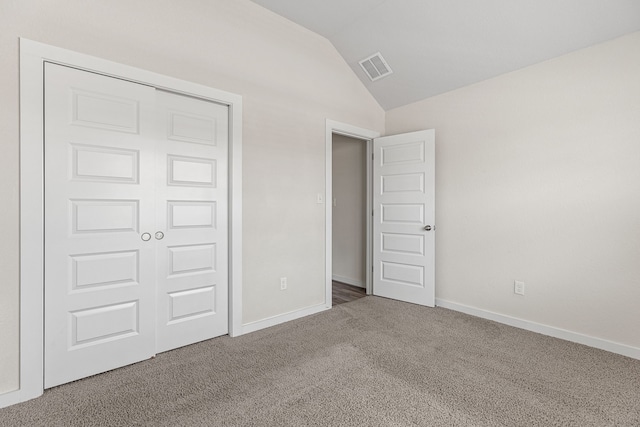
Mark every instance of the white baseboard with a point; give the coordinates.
(551, 331)
(348, 281)
(281, 318)
(9, 398)
(16, 396)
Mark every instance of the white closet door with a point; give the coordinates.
(99, 199)
(192, 220)
(135, 222)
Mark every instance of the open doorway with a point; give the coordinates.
(400, 242)
(349, 207)
(349, 212)
(363, 138)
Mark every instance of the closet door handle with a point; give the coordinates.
(159, 235)
(146, 237)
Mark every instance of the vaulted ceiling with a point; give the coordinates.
(434, 46)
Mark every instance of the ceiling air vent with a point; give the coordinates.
(376, 67)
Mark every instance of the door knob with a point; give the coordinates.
(146, 237)
(427, 228)
(159, 235)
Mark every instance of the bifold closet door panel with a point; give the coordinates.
(192, 220)
(99, 201)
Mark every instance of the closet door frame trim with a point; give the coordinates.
(33, 55)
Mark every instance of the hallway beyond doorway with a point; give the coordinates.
(343, 293)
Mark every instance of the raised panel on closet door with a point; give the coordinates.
(99, 198)
(191, 193)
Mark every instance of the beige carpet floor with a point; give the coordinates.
(372, 362)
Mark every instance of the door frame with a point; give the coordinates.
(33, 55)
(366, 135)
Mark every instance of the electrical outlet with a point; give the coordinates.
(283, 283)
(518, 287)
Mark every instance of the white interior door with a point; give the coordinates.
(404, 214)
(192, 220)
(99, 196)
(135, 222)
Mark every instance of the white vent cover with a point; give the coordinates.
(375, 67)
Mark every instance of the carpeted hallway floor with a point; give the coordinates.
(371, 362)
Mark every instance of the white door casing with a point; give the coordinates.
(334, 127)
(404, 217)
(135, 202)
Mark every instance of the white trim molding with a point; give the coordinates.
(335, 127)
(33, 55)
(282, 318)
(551, 331)
(12, 397)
